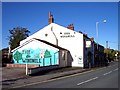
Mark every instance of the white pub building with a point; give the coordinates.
(80, 46)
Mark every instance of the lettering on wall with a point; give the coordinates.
(38, 56)
(66, 35)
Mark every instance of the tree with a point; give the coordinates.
(16, 35)
(111, 54)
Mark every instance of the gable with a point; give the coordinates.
(46, 33)
(36, 52)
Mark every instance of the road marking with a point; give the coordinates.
(38, 82)
(115, 69)
(87, 81)
(52, 79)
(107, 73)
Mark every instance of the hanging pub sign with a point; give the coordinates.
(88, 44)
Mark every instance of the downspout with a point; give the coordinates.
(55, 36)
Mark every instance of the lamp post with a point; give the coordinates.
(98, 30)
(97, 37)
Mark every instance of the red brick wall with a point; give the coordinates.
(21, 65)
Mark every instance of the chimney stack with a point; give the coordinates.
(50, 18)
(80, 32)
(85, 34)
(92, 39)
(70, 26)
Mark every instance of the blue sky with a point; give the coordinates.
(84, 15)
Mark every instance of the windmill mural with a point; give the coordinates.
(43, 57)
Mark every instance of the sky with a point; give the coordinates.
(83, 15)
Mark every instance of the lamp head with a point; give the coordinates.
(104, 21)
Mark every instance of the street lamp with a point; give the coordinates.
(97, 31)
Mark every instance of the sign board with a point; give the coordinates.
(88, 44)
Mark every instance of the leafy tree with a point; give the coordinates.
(111, 53)
(16, 35)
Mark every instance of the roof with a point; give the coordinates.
(27, 42)
(56, 28)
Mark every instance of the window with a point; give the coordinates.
(63, 55)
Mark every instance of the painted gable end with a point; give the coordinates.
(36, 52)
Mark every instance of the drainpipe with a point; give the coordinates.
(55, 36)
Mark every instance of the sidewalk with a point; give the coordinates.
(12, 73)
(16, 77)
(23, 79)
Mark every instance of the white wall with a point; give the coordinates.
(74, 44)
(35, 44)
(41, 35)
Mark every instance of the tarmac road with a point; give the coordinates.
(106, 77)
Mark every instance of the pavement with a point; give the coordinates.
(12, 73)
(105, 77)
(15, 77)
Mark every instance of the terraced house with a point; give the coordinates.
(56, 45)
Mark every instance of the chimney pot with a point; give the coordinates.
(70, 26)
(50, 18)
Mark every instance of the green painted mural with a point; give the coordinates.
(47, 54)
(17, 56)
(43, 57)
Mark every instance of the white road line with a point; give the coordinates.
(107, 73)
(87, 81)
(115, 69)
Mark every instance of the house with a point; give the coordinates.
(67, 38)
(5, 57)
(41, 53)
(58, 45)
(99, 57)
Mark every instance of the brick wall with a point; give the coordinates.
(21, 65)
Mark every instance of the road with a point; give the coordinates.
(106, 77)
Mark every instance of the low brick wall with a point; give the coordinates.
(22, 65)
(38, 69)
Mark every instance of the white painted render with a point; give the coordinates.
(73, 43)
(34, 44)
